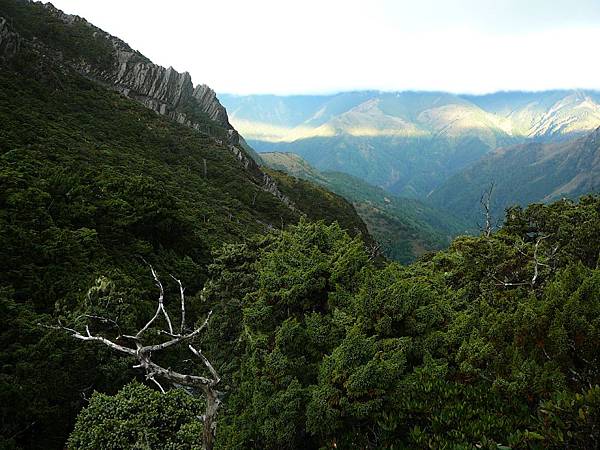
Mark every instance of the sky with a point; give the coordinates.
(324, 46)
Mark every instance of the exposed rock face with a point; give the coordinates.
(268, 183)
(134, 75)
(211, 105)
(9, 41)
(163, 90)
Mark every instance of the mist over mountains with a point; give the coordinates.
(409, 143)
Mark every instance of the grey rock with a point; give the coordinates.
(210, 104)
(165, 91)
(10, 41)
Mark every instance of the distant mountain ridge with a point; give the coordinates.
(373, 113)
(527, 173)
(409, 143)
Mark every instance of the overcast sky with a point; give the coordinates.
(316, 46)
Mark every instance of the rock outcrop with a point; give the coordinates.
(164, 90)
(206, 97)
(9, 41)
(131, 73)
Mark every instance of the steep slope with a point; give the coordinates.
(533, 172)
(409, 142)
(322, 204)
(92, 184)
(110, 61)
(405, 228)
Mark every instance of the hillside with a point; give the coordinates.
(489, 344)
(405, 228)
(161, 289)
(408, 142)
(93, 183)
(319, 203)
(524, 174)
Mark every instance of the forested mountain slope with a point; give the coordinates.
(492, 343)
(405, 228)
(93, 183)
(523, 174)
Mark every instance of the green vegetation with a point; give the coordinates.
(462, 350)
(75, 41)
(492, 343)
(139, 417)
(320, 347)
(406, 166)
(319, 203)
(523, 174)
(405, 228)
(90, 183)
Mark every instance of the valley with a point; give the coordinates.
(187, 270)
(404, 228)
(410, 143)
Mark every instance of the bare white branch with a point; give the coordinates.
(506, 283)
(537, 262)
(206, 362)
(182, 295)
(143, 355)
(177, 338)
(89, 337)
(374, 250)
(160, 308)
(485, 201)
(156, 382)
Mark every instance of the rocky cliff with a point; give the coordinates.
(9, 41)
(113, 63)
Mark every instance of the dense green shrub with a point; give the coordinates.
(138, 417)
(460, 350)
(489, 344)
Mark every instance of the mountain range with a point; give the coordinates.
(523, 174)
(409, 143)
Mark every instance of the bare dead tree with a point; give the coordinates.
(485, 202)
(143, 354)
(537, 263)
(505, 283)
(373, 250)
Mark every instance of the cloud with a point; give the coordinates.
(493, 16)
(269, 46)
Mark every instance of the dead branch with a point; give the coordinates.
(374, 250)
(485, 201)
(161, 306)
(206, 362)
(536, 260)
(506, 283)
(537, 263)
(143, 354)
(182, 295)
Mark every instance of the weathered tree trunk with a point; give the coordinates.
(210, 416)
(143, 354)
